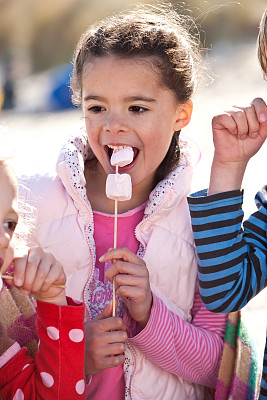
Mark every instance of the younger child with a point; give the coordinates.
(57, 372)
(232, 261)
(134, 77)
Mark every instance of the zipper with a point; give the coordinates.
(134, 370)
(90, 276)
(141, 253)
(89, 210)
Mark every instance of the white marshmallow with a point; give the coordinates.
(119, 186)
(122, 157)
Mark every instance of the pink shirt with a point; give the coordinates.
(109, 383)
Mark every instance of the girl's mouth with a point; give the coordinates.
(110, 148)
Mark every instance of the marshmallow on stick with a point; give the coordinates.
(122, 157)
(119, 188)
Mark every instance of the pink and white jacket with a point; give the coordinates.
(65, 228)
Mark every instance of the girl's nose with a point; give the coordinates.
(4, 239)
(116, 124)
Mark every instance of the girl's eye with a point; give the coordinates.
(96, 109)
(11, 225)
(138, 109)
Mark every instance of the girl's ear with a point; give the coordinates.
(184, 115)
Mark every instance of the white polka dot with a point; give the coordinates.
(25, 366)
(47, 379)
(18, 395)
(76, 335)
(80, 386)
(53, 333)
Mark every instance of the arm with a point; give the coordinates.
(164, 337)
(60, 329)
(164, 334)
(61, 333)
(232, 263)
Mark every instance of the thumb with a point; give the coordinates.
(107, 312)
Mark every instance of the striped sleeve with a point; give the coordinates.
(231, 259)
(163, 342)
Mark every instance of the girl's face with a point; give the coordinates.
(125, 104)
(8, 216)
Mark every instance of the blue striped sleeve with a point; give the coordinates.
(232, 260)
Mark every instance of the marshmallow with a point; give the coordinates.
(119, 187)
(122, 157)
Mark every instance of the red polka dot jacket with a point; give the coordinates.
(57, 371)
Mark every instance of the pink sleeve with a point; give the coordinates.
(57, 372)
(191, 350)
(9, 353)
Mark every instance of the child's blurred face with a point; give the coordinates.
(125, 104)
(8, 216)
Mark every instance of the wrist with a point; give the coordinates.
(225, 177)
(59, 300)
(143, 322)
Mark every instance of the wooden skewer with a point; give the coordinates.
(11, 277)
(115, 246)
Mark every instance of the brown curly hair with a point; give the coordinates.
(168, 39)
(262, 44)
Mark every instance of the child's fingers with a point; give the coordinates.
(107, 324)
(225, 121)
(37, 267)
(50, 272)
(127, 268)
(242, 126)
(133, 293)
(19, 274)
(121, 253)
(8, 258)
(32, 271)
(260, 109)
(252, 125)
(131, 280)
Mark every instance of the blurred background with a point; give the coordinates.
(37, 39)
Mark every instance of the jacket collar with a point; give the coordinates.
(76, 151)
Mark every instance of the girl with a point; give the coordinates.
(134, 77)
(232, 262)
(59, 319)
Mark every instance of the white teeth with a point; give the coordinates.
(117, 147)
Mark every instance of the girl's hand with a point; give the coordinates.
(105, 339)
(131, 283)
(36, 272)
(237, 135)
